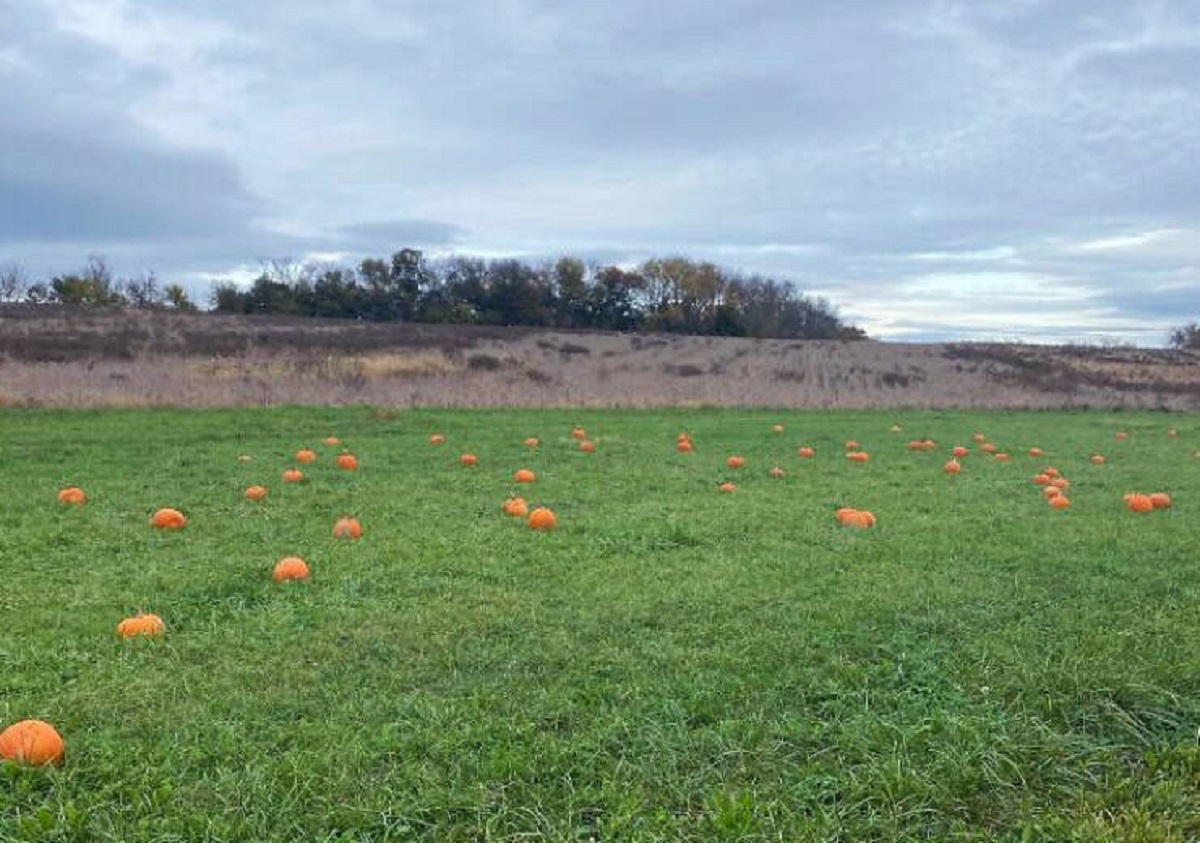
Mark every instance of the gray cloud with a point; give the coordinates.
(859, 150)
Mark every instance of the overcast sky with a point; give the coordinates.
(1011, 168)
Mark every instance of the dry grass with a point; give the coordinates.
(97, 358)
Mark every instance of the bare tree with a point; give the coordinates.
(12, 282)
(144, 291)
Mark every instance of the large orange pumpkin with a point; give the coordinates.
(587, 446)
(168, 519)
(515, 507)
(256, 493)
(1059, 502)
(72, 496)
(347, 528)
(346, 462)
(306, 455)
(32, 743)
(952, 467)
(959, 452)
(293, 475)
(468, 459)
(860, 519)
(148, 625)
(542, 519)
(1139, 503)
(1160, 500)
(684, 446)
(578, 433)
(524, 475)
(290, 568)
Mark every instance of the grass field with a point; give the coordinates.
(672, 663)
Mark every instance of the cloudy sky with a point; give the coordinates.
(1013, 168)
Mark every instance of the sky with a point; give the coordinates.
(1013, 169)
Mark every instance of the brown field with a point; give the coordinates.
(103, 358)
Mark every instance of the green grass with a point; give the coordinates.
(672, 663)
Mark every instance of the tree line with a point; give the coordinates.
(94, 286)
(673, 294)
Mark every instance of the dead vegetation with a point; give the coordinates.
(59, 357)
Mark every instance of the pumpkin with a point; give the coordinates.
(916, 445)
(777, 472)
(306, 455)
(1121, 436)
(777, 428)
(524, 475)
(72, 496)
(331, 441)
(347, 528)
(1139, 503)
(1051, 492)
(32, 743)
(436, 439)
(860, 519)
(1035, 452)
(858, 456)
(468, 459)
(1041, 479)
(1060, 483)
(346, 462)
(805, 452)
(1160, 500)
(587, 446)
(959, 452)
(684, 446)
(168, 519)
(542, 519)
(735, 461)
(1001, 457)
(1172, 432)
(1097, 459)
(1051, 471)
(578, 433)
(988, 448)
(290, 568)
(952, 467)
(256, 493)
(978, 438)
(727, 487)
(928, 445)
(293, 475)
(1059, 502)
(532, 442)
(851, 445)
(516, 507)
(141, 624)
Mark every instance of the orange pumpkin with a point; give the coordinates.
(168, 519)
(32, 743)
(777, 472)
(290, 568)
(72, 496)
(735, 461)
(988, 448)
(1059, 502)
(256, 493)
(777, 428)
(1160, 500)
(436, 439)
(347, 528)
(578, 433)
(978, 438)
(306, 455)
(858, 456)
(516, 507)
(959, 452)
(1051, 492)
(293, 475)
(346, 462)
(141, 624)
(805, 452)
(684, 446)
(928, 445)
(542, 519)
(468, 459)
(860, 519)
(1001, 457)
(727, 487)
(916, 445)
(587, 446)
(1060, 483)
(1139, 503)
(1041, 479)
(532, 442)
(1097, 459)
(1121, 436)
(1035, 452)
(1051, 471)
(524, 475)
(952, 467)
(851, 445)
(331, 441)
